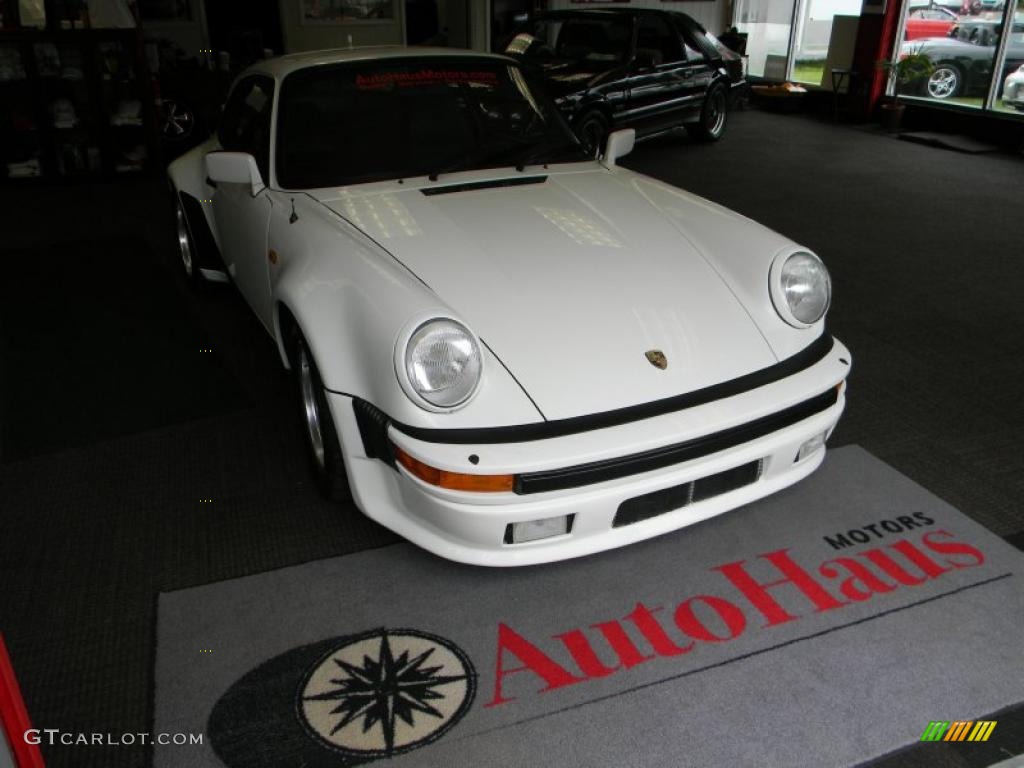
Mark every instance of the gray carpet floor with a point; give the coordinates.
(869, 674)
(924, 248)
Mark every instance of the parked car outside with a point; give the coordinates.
(984, 6)
(984, 31)
(505, 350)
(929, 21)
(961, 68)
(953, 6)
(1013, 89)
(650, 70)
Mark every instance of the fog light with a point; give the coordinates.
(810, 446)
(532, 530)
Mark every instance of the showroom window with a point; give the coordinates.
(789, 39)
(974, 49)
(815, 20)
(1009, 92)
(768, 25)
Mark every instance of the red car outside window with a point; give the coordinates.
(929, 22)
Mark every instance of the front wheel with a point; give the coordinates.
(186, 245)
(322, 443)
(713, 115)
(592, 130)
(944, 82)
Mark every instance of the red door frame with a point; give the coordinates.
(876, 40)
(14, 716)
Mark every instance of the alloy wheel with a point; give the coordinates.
(716, 112)
(184, 244)
(943, 83)
(592, 136)
(177, 120)
(311, 406)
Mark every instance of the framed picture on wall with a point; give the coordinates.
(333, 12)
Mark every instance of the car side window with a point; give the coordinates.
(245, 125)
(657, 40)
(693, 50)
(595, 41)
(700, 44)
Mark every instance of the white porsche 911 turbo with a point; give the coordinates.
(506, 351)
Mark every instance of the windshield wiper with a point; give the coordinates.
(544, 149)
(543, 154)
(472, 162)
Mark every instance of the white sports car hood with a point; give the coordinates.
(570, 281)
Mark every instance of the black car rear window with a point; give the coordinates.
(583, 38)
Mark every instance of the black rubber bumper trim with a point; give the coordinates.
(373, 429)
(624, 466)
(810, 355)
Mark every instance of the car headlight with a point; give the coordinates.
(801, 288)
(443, 363)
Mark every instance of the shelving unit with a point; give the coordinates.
(75, 104)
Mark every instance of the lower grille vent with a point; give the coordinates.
(668, 499)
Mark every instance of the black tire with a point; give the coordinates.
(592, 130)
(323, 447)
(713, 115)
(187, 251)
(945, 81)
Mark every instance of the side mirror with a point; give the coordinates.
(234, 168)
(619, 144)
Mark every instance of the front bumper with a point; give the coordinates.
(471, 527)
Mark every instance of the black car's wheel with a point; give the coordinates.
(177, 120)
(713, 115)
(592, 130)
(944, 82)
(322, 443)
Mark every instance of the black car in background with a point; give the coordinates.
(962, 68)
(983, 31)
(654, 71)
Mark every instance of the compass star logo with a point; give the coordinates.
(387, 692)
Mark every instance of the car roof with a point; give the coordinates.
(615, 11)
(282, 65)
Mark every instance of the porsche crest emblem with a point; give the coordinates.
(657, 358)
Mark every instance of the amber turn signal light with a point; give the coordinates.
(455, 481)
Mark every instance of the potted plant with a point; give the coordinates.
(909, 68)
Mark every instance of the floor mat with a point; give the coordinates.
(826, 625)
(954, 141)
(95, 343)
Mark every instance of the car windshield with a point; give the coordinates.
(391, 119)
(592, 41)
